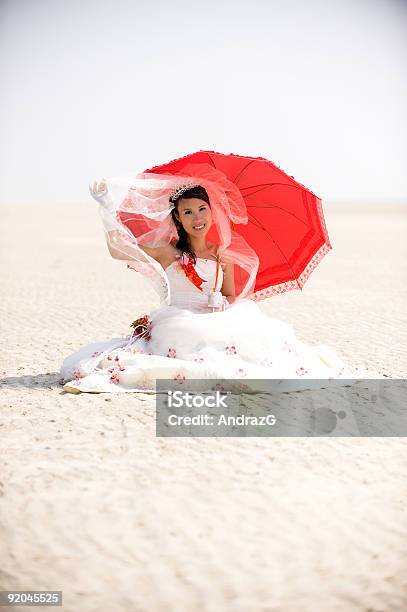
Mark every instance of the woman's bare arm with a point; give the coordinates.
(114, 241)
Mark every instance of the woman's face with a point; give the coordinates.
(195, 215)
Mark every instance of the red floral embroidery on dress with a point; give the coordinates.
(199, 359)
(96, 354)
(231, 350)
(114, 379)
(241, 372)
(301, 371)
(77, 376)
(179, 377)
(136, 351)
(172, 352)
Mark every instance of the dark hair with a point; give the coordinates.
(183, 243)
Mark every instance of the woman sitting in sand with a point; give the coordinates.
(205, 328)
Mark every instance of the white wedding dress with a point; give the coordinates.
(189, 341)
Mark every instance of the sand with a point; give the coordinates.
(95, 505)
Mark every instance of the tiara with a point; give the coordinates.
(178, 191)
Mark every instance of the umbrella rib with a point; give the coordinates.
(212, 162)
(270, 236)
(265, 185)
(242, 170)
(279, 207)
(262, 185)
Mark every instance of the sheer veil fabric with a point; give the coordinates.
(136, 210)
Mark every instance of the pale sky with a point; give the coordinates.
(99, 88)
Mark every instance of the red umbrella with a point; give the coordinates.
(286, 225)
(285, 228)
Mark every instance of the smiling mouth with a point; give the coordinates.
(199, 227)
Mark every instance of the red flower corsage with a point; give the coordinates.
(187, 265)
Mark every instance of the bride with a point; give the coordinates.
(206, 327)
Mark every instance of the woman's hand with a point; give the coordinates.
(98, 191)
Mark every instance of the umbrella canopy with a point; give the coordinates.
(286, 226)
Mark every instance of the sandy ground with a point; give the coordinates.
(93, 504)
